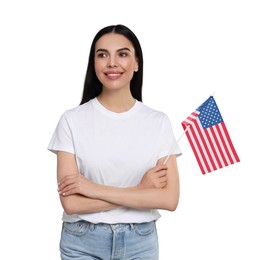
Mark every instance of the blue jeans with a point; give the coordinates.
(84, 241)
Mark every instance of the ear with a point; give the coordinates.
(136, 66)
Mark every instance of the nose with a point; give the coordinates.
(112, 62)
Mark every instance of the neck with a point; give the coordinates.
(117, 101)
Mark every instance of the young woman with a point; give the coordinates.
(110, 158)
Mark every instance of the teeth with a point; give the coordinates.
(113, 75)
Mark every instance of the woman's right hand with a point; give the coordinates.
(156, 177)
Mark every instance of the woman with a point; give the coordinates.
(110, 154)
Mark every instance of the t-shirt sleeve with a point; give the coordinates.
(62, 137)
(167, 142)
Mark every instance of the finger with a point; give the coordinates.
(161, 184)
(67, 181)
(163, 180)
(161, 173)
(66, 186)
(67, 190)
(161, 166)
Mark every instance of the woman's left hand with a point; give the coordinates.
(75, 184)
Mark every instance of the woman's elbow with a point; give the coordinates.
(68, 205)
(171, 203)
(171, 206)
(69, 210)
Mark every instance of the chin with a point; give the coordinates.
(113, 86)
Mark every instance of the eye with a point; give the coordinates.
(123, 54)
(102, 55)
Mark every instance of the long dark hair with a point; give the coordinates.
(92, 86)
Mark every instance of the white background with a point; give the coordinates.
(191, 50)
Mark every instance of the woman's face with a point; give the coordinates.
(115, 61)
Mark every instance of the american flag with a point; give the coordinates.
(209, 138)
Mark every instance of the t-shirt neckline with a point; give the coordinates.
(110, 113)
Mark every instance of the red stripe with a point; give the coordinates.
(198, 144)
(200, 130)
(185, 124)
(218, 145)
(213, 149)
(224, 144)
(230, 142)
(195, 153)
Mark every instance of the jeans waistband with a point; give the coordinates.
(112, 227)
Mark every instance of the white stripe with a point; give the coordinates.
(194, 117)
(195, 146)
(227, 143)
(194, 129)
(213, 158)
(221, 145)
(198, 151)
(202, 146)
(216, 147)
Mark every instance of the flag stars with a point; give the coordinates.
(209, 114)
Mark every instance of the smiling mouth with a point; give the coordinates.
(113, 75)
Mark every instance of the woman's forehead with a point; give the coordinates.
(113, 41)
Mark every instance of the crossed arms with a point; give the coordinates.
(158, 189)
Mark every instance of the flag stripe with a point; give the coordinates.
(197, 147)
(196, 151)
(224, 145)
(210, 142)
(218, 160)
(219, 145)
(193, 145)
(207, 147)
(236, 158)
(206, 156)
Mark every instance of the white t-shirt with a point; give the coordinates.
(114, 149)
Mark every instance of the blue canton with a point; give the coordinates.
(209, 113)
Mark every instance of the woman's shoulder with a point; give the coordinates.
(150, 110)
(86, 107)
(76, 113)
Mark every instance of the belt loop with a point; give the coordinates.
(132, 226)
(91, 226)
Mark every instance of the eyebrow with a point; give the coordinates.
(121, 49)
